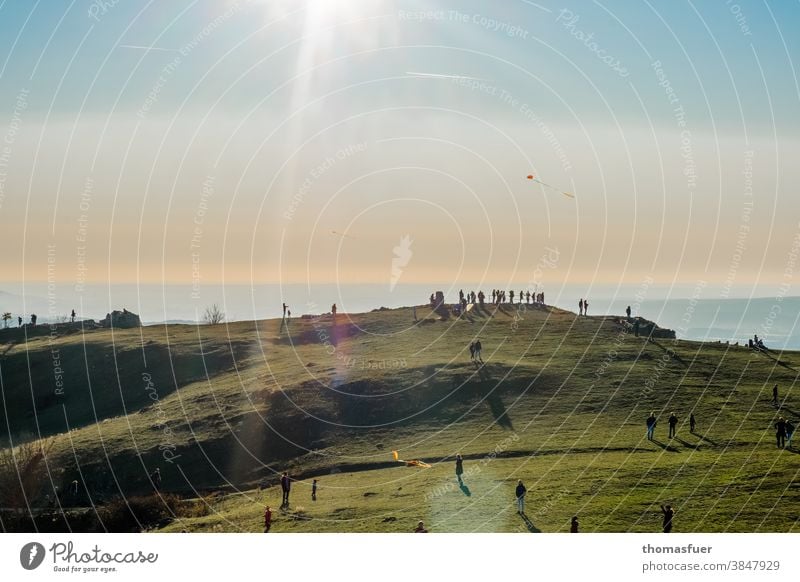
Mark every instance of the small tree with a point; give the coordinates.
(23, 473)
(214, 315)
(6, 318)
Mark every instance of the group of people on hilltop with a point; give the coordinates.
(672, 421)
(756, 343)
(35, 319)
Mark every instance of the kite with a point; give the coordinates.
(535, 179)
(412, 462)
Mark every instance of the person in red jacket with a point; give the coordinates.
(267, 519)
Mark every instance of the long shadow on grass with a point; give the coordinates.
(672, 353)
(496, 405)
(687, 444)
(708, 440)
(529, 524)
(776, 360)
(464, 489)
(665, 446)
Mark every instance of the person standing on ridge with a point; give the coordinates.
(628, 311)
(580, 306)
(72, 317)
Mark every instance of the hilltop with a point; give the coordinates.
(560, 403)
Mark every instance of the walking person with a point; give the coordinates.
(314, 490)
(651, 425)
(72, 316)
(520, 493)
(673, 424)
(286, 487)
(790, 429)
(459, 467)
(780, 432)
(478, 348)
(574, 526)
(669, 513)
(471, 350)
(267, 519)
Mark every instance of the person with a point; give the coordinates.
(478, 348)
(669, 513)
(459, 467)
(420, 527)
(511, 296)
(286, 486)
(673, 423)
(528, 298)
(72, 316)
(288, 314)
(481, 297)
(780, 432)
(333, 311)
(520, 493)
(33, 319)
(585, 306)
(628, 311)
(19, 321)
(471, 350)
(314, 490)
(285, 307)
(573, 528)
(651, 425)
(155, 477)
(580, 306)
(267, 519)
(494, 297)
(692, 423)
(775, 395)
(790, 428)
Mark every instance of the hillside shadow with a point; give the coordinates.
(778, 361)
(688, 444)
(529, 524)
(706, 439)
(493, 399)
(789, 410)
(674, 356)
(664, 446)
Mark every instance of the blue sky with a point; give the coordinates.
(259, 94)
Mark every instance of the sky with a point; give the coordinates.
(389, 142)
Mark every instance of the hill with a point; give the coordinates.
(560, 403)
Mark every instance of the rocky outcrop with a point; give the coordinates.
(121, 319)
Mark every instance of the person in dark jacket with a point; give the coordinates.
(574, 526)
(692, 423)
(286, 487)
(669, 513)
(267, 519)
(459, 467)
(420, 528)
(314, 490)
(673, 424)
(780, 432)
(651, 425)
(520, 493)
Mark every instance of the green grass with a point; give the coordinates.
(561, 401)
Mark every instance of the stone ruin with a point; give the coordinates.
(121, 319)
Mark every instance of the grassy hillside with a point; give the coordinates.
(560, 403)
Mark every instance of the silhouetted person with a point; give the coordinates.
(692, 423)
(471, 350)
(459, 467)
(528, 297)
(285, 307)
(775, 395)
(585, 305)
(286, 487)
(333, 312)
(520, 492)
(478, 348)
(267, 519)
(673, 423)
(420, 528)
(155, 477)
(580, 306)
(780, 432)
(651, 425)
(669, 513)
(628, 311)
(790, 429)
(72, 316)
(33, 319)
(511, 296)
(19, 321)
(314, 490)
(574, 526)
